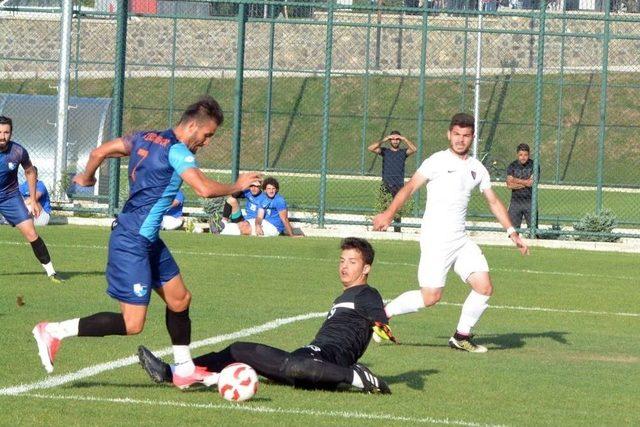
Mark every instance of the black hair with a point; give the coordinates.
(395, 132)
(4, 120)
(205, 108)
(362, 246)
(522, 147)
(270, 181)
(462, 120)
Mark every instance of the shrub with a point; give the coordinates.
(603, 223)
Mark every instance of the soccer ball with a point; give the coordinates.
(238, 382)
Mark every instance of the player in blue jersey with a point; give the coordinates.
(12, 205)
(172, 218)
(273, 216)
(138, 260)
(42, 196)
(235, 222)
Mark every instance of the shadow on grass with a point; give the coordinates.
(65, 275)
(413, 379)
(499, 341)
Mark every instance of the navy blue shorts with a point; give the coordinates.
(14, 210)
(136, 266)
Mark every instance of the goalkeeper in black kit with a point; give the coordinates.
(331, 358)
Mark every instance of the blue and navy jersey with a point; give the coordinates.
(176, 211)
(156, 161)
(272, 209)
(14, 156)
(44, 200)
(253, 203)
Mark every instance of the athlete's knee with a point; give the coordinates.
(484, 289)
(430, 297)
(134, 325)
(181, 302)
(245, 228)
(300, 368)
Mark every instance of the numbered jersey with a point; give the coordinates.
(156, 161)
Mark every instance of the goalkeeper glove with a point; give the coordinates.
(383, 332)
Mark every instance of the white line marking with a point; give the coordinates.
(262, 409)
(289, 257)
(552, 310)
(55, 381)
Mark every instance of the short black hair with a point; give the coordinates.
(4, 120)
(522, 147)
(204, 109)
(270, 181)
(463, 120)
(362, 246)
(395, 132)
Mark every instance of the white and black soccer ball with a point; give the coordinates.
(238, 382)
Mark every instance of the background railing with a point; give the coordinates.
(319, 82)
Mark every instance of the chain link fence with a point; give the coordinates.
(323, 81)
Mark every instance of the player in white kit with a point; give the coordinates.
(450, 176)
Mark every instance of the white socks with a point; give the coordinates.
(64, 329)
(357, 381)
(183, 363)
(472, 309)
(407, 302)
(48, 267)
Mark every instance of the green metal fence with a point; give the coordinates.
(307, 86)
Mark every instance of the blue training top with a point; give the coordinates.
(44, 200)
(14, 155)
(253, 203)
(272, 208)
(156, 161)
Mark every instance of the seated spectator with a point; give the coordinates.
(42, 195)
(272, 218)
(235, 222)
(172, 218)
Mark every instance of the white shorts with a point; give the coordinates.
(268, 229)
(42, 219)
(436, 259)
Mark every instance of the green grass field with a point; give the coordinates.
(562, 333)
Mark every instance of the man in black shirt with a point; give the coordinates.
(330, 359)
(520, 180)
(393, 161)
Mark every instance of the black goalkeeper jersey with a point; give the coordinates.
(347, 330)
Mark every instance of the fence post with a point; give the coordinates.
(326, 100)
(238, 92)
(421, 93)
(559, 132)
(365, 106)
(267, 119)
(172, 79)
(60, 165)
(537, 133)
(118, 101)
(602, 130)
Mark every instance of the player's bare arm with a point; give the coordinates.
(284, 216)
(382, 221)
(111, 149)
(500, 212)
(514, 183)
(31, 176)
(411, 147)
(205, 187)
(375, 147)
(258, 223)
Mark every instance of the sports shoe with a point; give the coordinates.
(199, 376)
(157, 370)
(372, 384)
(47, 345)
(465, 344)
(216, 224)
(55, 278)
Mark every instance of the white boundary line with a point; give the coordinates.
(551, 310)
(55, 381)
(290, 257)
(261, 409)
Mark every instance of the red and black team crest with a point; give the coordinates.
(473, 174)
